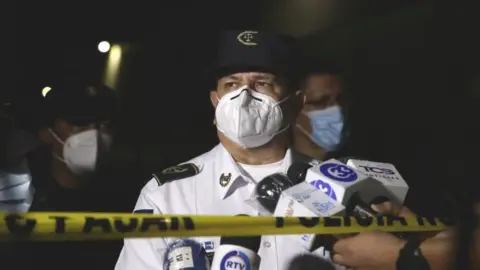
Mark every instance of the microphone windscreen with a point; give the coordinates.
(297, 172)
(310, 262)
(269, 189)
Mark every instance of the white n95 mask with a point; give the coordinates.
(80, 151)
(249, 118)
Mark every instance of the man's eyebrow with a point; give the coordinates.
(264, 77)
(233, 77)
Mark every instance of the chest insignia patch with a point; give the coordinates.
(225, 179)
(176, 172)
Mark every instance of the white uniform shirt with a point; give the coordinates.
(202, 194)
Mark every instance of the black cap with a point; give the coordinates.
(248, 50)
(79, 103)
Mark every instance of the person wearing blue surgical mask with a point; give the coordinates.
(16, 188)
(319, 129)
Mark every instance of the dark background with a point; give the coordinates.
(408, 66)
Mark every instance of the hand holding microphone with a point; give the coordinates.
(343, 184)
(352, 188)
(368, 250)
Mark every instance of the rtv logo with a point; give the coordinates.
(377, 170)
(235, 260)
(338, 172)
(325, 187)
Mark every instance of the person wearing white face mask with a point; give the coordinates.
(256, 101)
(75, 134)
(320, 129)
(55, 153)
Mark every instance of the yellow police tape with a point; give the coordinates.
(104, 226)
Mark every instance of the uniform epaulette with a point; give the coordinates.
(175, 173)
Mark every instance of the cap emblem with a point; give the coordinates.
(247, 38)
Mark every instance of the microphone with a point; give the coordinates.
(341, 190)
(310, 262)
(269, 189)
(355, 190)
(185, 254)
(385, 173)
(305, 200)
(237, 253)
(298, 171)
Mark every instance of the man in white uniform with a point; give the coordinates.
(256, 102)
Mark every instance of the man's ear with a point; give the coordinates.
(214, 98)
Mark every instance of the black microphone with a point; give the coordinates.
(237, 253)
(298, 171)
(310, 262)
(268, 190)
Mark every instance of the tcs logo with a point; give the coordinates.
(338, 172)
(377, 170)
(235, 260)
(325, 187)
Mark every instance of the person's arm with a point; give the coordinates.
(142, 254)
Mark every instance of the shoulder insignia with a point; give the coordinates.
(176, 172)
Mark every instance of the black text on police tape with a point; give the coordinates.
(386, 221)
(18, 225)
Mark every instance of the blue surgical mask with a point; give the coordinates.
(326, 126)
(16, 189)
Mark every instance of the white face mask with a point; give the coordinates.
(249, 118)
(80, 150)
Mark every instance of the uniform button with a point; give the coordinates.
(267, 244)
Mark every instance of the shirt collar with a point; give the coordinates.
(228, 173)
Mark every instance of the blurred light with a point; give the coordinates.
(45, 90)
(113, 66)
(103, 46)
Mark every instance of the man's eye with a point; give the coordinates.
(263, 86)
(231, 84)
